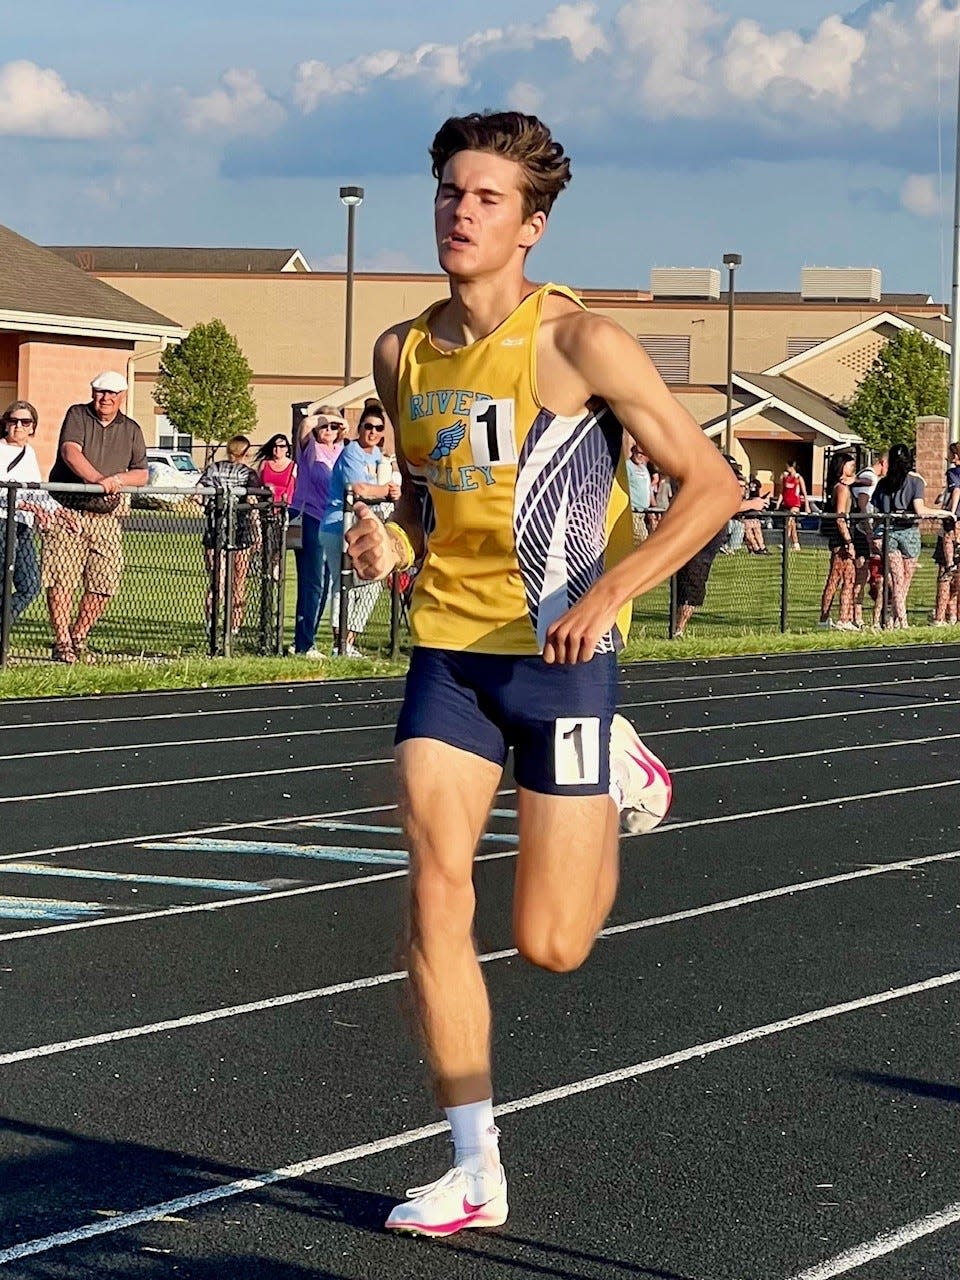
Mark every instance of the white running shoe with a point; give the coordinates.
(464, 1197)
(638, 780)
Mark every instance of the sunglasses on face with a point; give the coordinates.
(20, 422)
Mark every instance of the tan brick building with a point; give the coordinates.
(59, 328)
(798, 356)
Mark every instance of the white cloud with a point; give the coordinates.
(36, 103)
(753, 61)
(920, 195)
(239, 105)
(575, 24)
(525, 97)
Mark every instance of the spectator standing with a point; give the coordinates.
(98, 445)
(277, 469)
(278, 473)
(692, 577)
(793, 500)
(18, 463)
(945, 553)
(358, 468)
(752, 528)
(638, 477)
(238, 480)
(840, 474)
(660, 497)
(900, 494)
(319, 444)
(867, 561)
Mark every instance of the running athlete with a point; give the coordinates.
(510, 402)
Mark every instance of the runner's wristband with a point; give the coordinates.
(402, 544)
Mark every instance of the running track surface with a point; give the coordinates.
(205, 1069)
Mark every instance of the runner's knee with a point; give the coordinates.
(551, 947)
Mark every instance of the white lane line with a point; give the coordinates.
(188, 781)
(386, 702)
(926, 705)
(330, 886)
(810, 755)
(123, 877)
(838, 801)
(361, 984)
(762, 673)
(201, 714)
(884, 1243)
(576, 1088)
(279, 737)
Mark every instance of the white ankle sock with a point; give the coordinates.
(473, 1130)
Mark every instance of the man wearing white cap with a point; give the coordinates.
(102, 446)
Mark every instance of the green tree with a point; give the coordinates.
(204, 385)
(908, 380)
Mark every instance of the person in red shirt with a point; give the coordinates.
(793, 498)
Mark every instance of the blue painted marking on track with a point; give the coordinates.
(317, 852)
(48, 909)
(179, 882)
(503, 813)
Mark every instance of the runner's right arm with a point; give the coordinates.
(374, 547)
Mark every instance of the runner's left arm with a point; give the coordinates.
(614, 366)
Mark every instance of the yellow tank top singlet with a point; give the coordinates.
(523, 508)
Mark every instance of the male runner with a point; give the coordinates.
(510, 403)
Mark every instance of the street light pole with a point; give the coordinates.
(352, 197)
(731, 261)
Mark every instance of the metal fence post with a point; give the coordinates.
(9, 563)
(216, 570)
(230, 555)
(885, 555)
(281, 535)
(395, 614)
(266, 514)
(784, 577)
(672, 620)
(346, 573)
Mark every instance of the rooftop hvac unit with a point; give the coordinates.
(852, 284)
(685, 282)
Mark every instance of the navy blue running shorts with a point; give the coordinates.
(556, 717)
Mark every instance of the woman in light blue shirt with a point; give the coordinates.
(359, 468)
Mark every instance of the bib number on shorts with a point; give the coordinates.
(576, 752)
(492, 438)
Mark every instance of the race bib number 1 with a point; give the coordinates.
(576, 752)
(492, 439)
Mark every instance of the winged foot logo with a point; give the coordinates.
(447, 440)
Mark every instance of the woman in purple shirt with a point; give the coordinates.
(318, 445)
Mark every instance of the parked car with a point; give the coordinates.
(167, 469)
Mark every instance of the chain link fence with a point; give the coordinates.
(148, 575)
(209, 572)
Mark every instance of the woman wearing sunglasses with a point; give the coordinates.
(18, 462)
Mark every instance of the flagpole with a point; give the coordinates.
(954, 410)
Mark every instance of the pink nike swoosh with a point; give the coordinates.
(645, 767)
(469, 1208)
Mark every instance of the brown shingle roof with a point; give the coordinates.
(800, 398)
(164, 258)
(35, 280)
(937, 326)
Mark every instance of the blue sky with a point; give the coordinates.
(796, 132)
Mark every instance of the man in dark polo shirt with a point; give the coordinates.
(98, 445)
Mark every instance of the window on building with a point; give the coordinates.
(168, 437)
(670, 353)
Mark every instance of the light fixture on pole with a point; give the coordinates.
(731, 261)
(351, 197)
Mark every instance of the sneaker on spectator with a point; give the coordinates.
(313, 652)
(826, 623)
(845, 626)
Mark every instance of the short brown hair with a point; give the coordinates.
(524, 139)
(19, 404)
